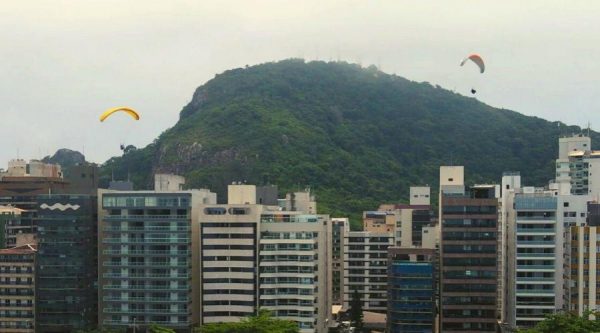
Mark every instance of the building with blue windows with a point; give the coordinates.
(411, 290)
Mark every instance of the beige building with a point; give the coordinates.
(263, 256)
(35, 168)
(17, 289)
(582, 269)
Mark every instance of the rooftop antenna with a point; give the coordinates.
(588, 129)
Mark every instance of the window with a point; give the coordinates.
(565, 204)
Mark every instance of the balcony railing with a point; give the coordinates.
(144, 217)
(153, 264)
(147, 252)
(146, 241)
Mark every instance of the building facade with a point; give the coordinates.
(339, 227)
(582, 269)
(262, 256)
(146, 252)
(17, 289)
(295, 268)
(535, 263)
(66, 275)
(468, 277)
(365, 267)
(411, 290)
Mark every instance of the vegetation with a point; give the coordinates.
(261, 323)
(356, 312)
(567, 322)
(357, 136)
(159, 329)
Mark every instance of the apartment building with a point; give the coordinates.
(365, 261)
(339, 227)
(582, 269)
(147, 246)
(17, 289)
(66, 275)
(411, 290)
(264, 256)
(468, 276)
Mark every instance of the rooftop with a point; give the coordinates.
(24, 249)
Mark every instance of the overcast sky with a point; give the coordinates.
(63, 62)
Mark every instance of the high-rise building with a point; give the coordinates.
(17, 289)
(295, 268)
(365, 261)
(66, 274)
(535, 261)
(339, 227)
(262, 256)
(469, 245)
(582, 269)
(228, 275)
(534, 224)
(148, 243)
(411, 290)
(21, 184)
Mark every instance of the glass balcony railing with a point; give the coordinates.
(146, 228)
(535, 255)
(144, 217)
(145, 299)
(535, 230)
(550, 267)
(146, 240)
(145, 276)
(535, 291)
(154, 264)
(146, 311)
(147, 288)
(147, 252)
(524, 242)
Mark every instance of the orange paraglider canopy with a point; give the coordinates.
(476, 58)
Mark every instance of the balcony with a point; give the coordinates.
(528, 267)
(146, 228)
(145, 276)
(147, 252)
(147, 241)
(146, 288)
(145, 217)
(145, 300)
(148, 264)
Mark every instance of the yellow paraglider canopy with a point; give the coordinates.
(125, 109)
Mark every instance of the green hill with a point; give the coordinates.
(357, 136)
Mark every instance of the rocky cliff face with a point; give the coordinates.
(65, 157)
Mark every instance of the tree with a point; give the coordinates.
(356, 312)
(261, 323)
(567, 322)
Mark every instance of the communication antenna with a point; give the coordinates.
(588, 129)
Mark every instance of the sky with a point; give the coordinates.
(64, 62)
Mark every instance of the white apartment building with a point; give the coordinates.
(262, 256)
(534, 223)
(365, 267)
